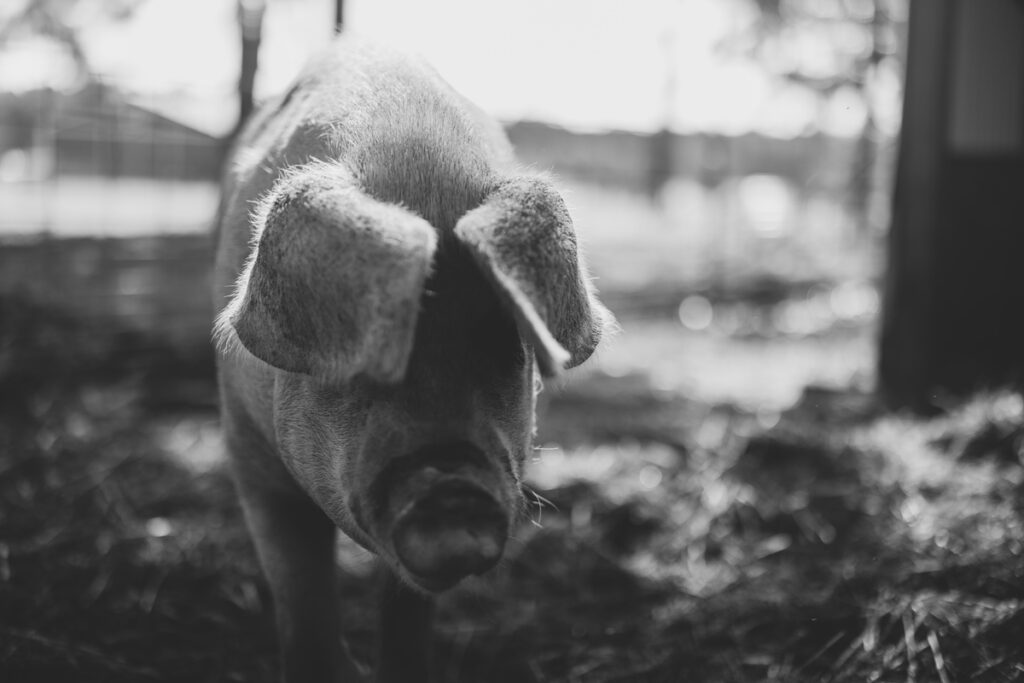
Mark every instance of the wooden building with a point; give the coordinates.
(96, 131)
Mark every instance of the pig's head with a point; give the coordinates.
(407, 357)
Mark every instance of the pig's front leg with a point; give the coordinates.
(405, 628)
(295, 542)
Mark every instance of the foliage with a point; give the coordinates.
(823, 45)
(61, 20)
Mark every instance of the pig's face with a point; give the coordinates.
(406, 398)
(424, 471)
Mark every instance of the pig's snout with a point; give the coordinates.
(445, 510)
(456, 529)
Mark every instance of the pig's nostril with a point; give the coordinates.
(452, 532)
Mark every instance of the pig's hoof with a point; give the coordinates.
(455, 530)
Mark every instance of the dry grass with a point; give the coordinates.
(673, 540)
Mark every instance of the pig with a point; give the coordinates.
(390, 287)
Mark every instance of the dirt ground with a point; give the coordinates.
(675, 535)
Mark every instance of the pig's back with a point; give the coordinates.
(404, 133)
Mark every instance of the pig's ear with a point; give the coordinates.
(333, 286)
(523, 238)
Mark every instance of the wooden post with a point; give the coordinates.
(250, 25)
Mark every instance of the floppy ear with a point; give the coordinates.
(334, 284)
(522, 237)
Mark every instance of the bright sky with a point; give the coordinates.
(586, 64)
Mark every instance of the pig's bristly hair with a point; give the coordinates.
(315, 231)
(523, 238)
(225, 337)
(548, 291)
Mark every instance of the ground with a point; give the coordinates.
(674, 535)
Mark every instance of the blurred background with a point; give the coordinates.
(729, 164)
(805, 214)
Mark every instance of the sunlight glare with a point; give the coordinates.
(38, 61)
(696, 313)
(585, 64)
